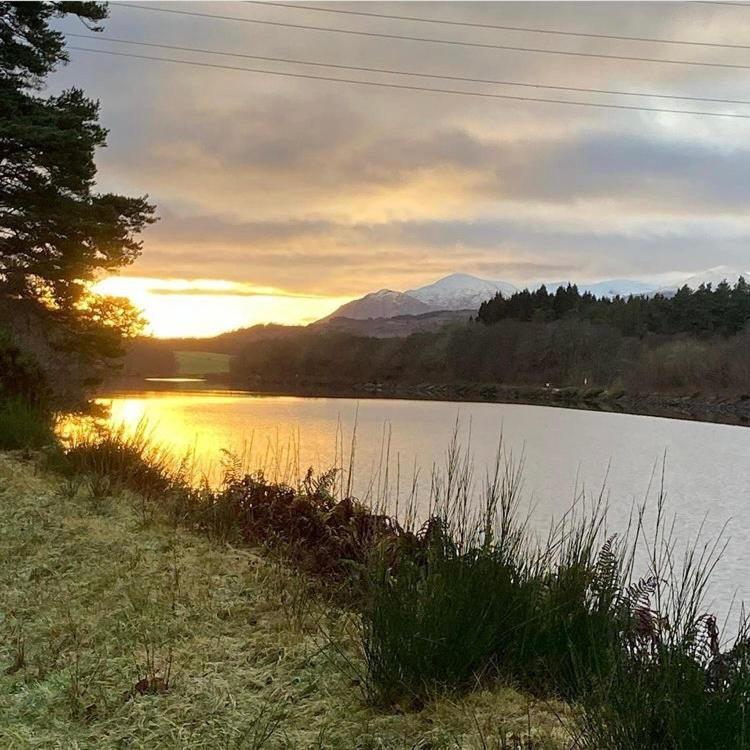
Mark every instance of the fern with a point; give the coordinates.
(604, 584)
(703, 639)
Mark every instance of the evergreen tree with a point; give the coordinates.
(703, 311)
(57, 234)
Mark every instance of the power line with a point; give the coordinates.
(415, 74)
(525, 29)
(452, 42)
(406, 87)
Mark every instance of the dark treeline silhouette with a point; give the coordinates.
(570, 352)
(722, 309)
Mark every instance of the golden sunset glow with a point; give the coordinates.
(206, 307)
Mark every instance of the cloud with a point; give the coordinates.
(324, 188)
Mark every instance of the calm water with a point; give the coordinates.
(707, 474)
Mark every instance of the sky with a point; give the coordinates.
(280, 198)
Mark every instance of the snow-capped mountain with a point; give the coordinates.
(460, 291)
(608, 288)
(382, 304)
(617, 287)
(712, 276)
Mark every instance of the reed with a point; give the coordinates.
(486, 599)
(128, 459)
(672, 681)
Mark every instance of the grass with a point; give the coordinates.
(466, 603)
(99, 608)
(485, 602)
(23, 425)
(202, 363)
(673, 683)
(124, 458)
(640, 659)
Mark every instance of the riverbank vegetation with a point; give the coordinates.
(567, 353)
(120, 630)
(605, 632)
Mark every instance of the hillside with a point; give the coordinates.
(382, 304)
(396, 326)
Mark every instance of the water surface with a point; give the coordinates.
(706, 466)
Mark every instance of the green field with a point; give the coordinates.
(202, 363)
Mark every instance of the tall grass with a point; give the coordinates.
(128, 459)
(640, 658)
(24, 425)
(486, 599)
(671, 683)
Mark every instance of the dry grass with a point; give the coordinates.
(116, 632)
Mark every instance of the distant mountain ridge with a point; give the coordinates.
(712, 276)
(459, 291)
(462, 291)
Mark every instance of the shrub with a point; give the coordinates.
(20, 374)
(24, 424)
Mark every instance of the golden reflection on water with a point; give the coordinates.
(207, 429)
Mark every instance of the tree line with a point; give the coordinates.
(569, 352)
(723, 309)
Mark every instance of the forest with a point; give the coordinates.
(570, 352)
(724, 309)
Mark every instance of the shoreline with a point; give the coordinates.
(715, 410)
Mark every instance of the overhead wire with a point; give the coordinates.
(505, 27)
(408, 87)
(410, 73)
(431, 40)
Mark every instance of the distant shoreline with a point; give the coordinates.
(717, 410)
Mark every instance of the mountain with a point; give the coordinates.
(460, 291)
(712, 276)
(383, 304)
(615, 287)
(608, 288)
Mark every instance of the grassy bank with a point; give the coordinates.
(120, 629)
(400, 618)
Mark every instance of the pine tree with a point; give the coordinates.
(57, 234)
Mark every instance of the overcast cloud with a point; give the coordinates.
(325, 188)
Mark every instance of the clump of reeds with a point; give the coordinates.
(128, 459)
(671, 683)
(485, 599)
